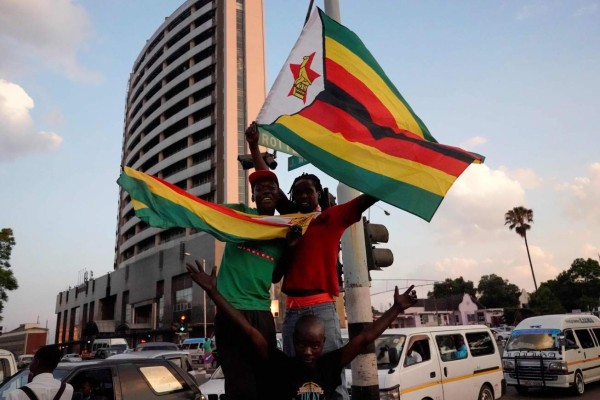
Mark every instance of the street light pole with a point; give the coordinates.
(204, 298)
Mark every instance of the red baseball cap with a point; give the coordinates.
(262, 174)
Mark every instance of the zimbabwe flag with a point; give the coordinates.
(163, 205)
(333, 104)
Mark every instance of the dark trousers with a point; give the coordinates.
(245, 374)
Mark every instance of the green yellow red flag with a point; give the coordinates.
(333, 104)
(163, 205)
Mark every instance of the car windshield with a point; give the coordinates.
(534, 340)
(383, 344)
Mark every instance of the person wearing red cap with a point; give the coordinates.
(245, 280)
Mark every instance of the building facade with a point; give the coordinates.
(193, 89)
(460, 309)
(25, 339)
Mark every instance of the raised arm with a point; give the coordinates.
(284, 205)
(209, 284)
(252, 139)
(365, 201)
(368, 335)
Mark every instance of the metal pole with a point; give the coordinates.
(365, 383)
(204, 298)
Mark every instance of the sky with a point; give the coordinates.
(516, 81)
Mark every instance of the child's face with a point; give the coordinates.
(309, 345)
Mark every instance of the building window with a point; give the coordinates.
(76, 315)
(182, 293)
(424, 319)
(183, 300)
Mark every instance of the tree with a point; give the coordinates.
(578, 287)
(452, 286)
(518, 219)
(7, 279)
(544, 302)
(497, 292)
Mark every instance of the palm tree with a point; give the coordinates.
(518, 219)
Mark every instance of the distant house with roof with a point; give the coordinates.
(459, 309)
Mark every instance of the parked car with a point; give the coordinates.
(156, 346)
(71, 357)
(180, 358)
(8, 364)
(125, 379)
(24, 360)
(502, 333)
(214, 387)
(111, 351)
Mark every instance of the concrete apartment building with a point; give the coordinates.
(193, 89)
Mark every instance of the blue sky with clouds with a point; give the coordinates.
(515, 81)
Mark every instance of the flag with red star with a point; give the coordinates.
(333, 104)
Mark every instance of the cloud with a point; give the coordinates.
(473, 142)
(18, 136)
(580, 196)
(49, 32)
(532, 10)
(525, 176)
(475, 205)
(587, 9)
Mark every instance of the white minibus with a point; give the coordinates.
(553, 351)
(446, 362)
(194, 346)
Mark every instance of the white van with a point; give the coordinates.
(446, 362)
(102, 343)
(553, 351)
(194, 346)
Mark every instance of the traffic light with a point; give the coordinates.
(247, 163)
(182, 319)
(377, 258)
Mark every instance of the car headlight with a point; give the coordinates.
(558, 367)
(508, 365)
(392, 393)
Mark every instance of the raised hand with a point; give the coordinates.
(406, 299)
(252, 134)
(206, 282)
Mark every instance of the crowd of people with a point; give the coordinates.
(313, 357)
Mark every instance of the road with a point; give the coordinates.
(592, 392)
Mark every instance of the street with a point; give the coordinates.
(592, 391)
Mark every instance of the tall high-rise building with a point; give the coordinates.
(197, 83)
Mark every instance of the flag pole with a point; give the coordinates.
(365, 383)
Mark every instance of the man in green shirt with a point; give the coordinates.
(245, 280)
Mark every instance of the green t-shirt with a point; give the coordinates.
(246, 269)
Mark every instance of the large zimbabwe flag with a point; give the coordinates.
(333, 104)
(163, 205)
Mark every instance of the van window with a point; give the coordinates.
(383, 346)
(480, 344)
(418, 352)
(585, 338)
(597, 334)
(452, 347)
(570, 338)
